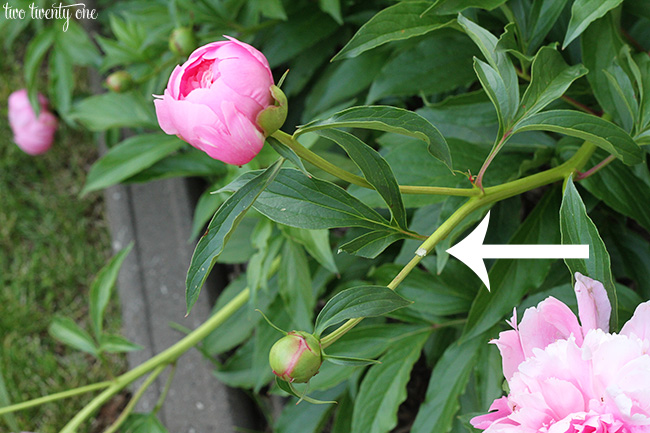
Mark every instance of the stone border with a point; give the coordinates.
(158, 217)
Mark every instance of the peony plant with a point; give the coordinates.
(409, 121)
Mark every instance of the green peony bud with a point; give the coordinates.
(119, 81)
(296, 357)
(272, 117)
(182, 41)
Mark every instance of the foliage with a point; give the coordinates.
(473, 103)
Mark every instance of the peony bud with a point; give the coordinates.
(214, 99)
(296, 357)
(182, 41)
(34, 135)
(119, 81)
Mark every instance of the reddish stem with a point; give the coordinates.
(488, 160)
(595, 168)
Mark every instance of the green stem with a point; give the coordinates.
(165, 391)
(134, 400)
(345, 175)
(491, 195)
(54, 397)
(162, 359)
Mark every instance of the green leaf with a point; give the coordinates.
(333, 8)
(288, 153)
(68, 332)
(128, 158)
(295, 285)
(583, 13)
(365, 341)
(272, 9)
(221, 227)
(114, 110)
(347, 360)
(447, 383)
(510, 280)
(440, 63)
(189, 163)
(362, 301)
(116, 344)
(286, 40)
(317, 244)
(434, 295)
(34, 55)
(372, 243)
(240, 325)
(455, 6)
(623, 94)
(383, 388)
(343, 81)
(375, 170)
(389, 119)
(401, 21)
(496, 89)
(600, 45)
(143, 423)
(550, 78)
(298, 201)
(623, 188)
(577, 228)
(598, 131)
(500, 62)
(543, 16)
(61, 81)
(77, 45)
(102, 287)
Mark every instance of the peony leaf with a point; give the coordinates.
(388, 119)
(362, 301)
(577, 228)
(401, 21)
(223, 223)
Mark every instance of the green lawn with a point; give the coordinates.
(52, 243)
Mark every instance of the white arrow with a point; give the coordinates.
(471, 251)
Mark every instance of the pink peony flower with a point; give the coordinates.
(34, 135)
(214, 99)
(585, 380)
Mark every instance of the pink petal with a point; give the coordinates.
(552, 320)
(502, 409)
(593, 305)
(512, 353)
(639, 324)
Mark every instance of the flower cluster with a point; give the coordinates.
(566, 377)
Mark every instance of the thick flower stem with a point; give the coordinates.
(332, 169)
(491, 195)
(163, 359)
(134, 400)
(54, 397)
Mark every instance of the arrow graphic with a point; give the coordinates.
(472, 251)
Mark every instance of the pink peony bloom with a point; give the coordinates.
(33, 135)
(213, 101)
(584, 381)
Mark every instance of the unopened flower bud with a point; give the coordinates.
(119, 81)
(182, 41)
(296, 357)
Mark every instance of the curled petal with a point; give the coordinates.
(594, 308)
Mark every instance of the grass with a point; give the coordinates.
(52, 243)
